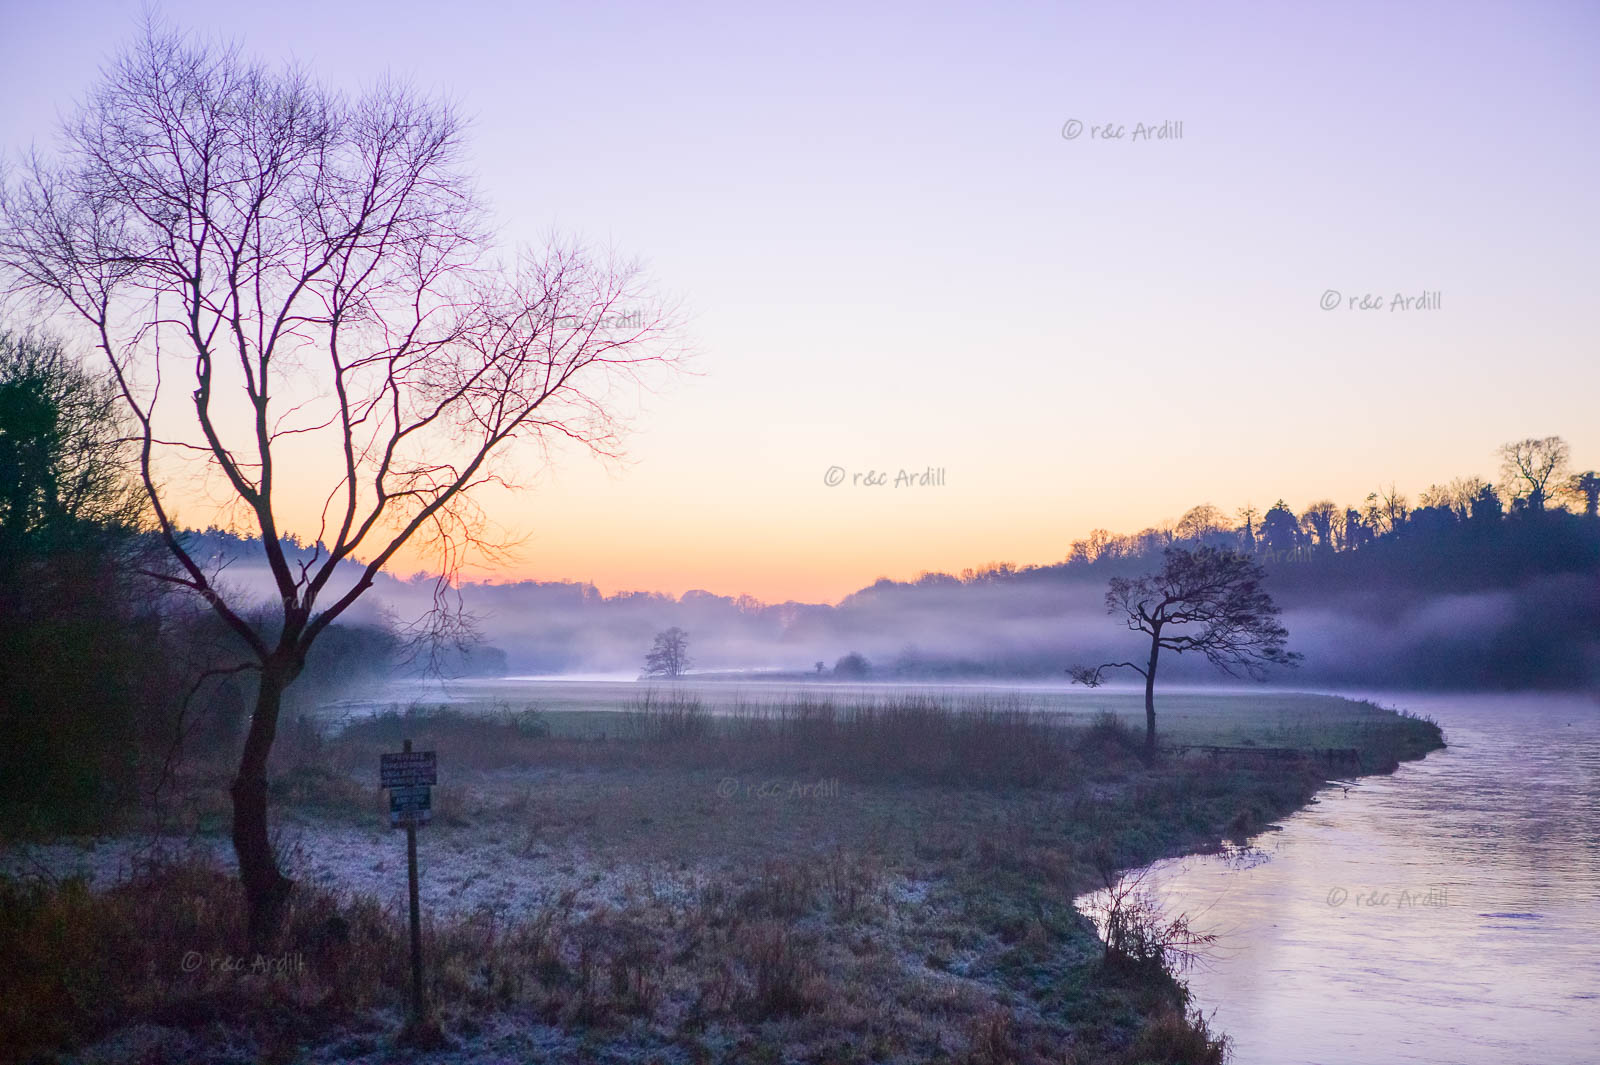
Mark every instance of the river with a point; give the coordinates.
(1448, 913)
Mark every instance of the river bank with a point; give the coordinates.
(1447, 912)
(815, 885)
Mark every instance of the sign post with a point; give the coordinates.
(409, 776)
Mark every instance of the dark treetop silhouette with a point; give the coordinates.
(1206, 600)
(76, 668)
(317, 267)
(1585, 488)
(1538, 464)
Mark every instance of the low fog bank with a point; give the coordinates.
(1541, 632)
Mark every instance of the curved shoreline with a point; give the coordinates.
(963, 889)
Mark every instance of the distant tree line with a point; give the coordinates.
(1528, 544)
(1515, 565)
(1536, 479)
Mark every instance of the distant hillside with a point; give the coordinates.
(1435, 599)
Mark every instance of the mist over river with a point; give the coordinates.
(1447, 913)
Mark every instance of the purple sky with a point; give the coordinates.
(894, 258)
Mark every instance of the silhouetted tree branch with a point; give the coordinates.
(266, 265)
(669, 655)
(1538, 464)
(1206, 601)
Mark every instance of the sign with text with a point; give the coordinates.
(409, 775)
(410, 805)
(408, 769)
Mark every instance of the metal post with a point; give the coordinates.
(419, 1009)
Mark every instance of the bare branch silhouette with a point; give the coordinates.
(315, 270)
(1208, 601)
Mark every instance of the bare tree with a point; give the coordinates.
(669, 655)
(1463, 492)
(294, 289)
(1089, 550)
(1318, 521)
(1200, 522)
(1396, 508)
(1539, 464)
(1435, 496)
(1207, 601)
(1386, 510)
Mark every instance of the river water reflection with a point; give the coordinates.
(1447, 913)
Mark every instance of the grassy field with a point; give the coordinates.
(610, 708)
(846, 880)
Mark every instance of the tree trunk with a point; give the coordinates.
(266, 890)
(1150, 695)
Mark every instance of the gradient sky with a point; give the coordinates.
(895, 260)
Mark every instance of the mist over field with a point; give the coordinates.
(596, 533)
(1493, 620)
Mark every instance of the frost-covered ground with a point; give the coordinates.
(509, 842)
(636, 899)
(611, 848)
(458, 874)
